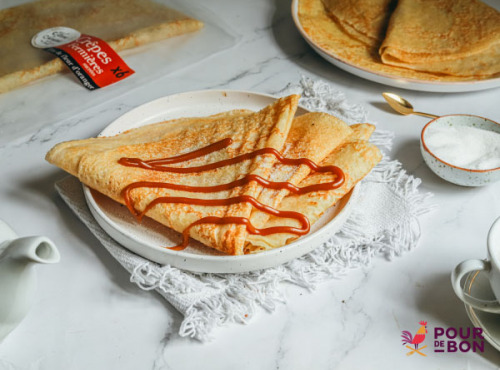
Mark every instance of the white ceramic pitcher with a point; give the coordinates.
(18, 256)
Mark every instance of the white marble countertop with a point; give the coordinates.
(87, 315)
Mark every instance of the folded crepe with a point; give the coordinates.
(312, 136)
(327, 33)
(356, 157)
(123, 24)
(350, 31)
(364, 20)
(319, 137)
(95, 162)
(68, 154)
(451, 37)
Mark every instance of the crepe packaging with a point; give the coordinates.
(123, 24)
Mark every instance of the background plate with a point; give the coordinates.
(149, 238)
(392, 80)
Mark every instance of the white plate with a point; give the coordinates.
(392, 80)
(477, 285)
(150, 238)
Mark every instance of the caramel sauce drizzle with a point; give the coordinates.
(161, 165)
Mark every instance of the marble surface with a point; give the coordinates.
(87, 315)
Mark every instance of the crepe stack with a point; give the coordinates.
(364, 20)
(433, 40)
(123, 24)
(455, 37)
(318, 136)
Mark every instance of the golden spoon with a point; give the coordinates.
(402, 106)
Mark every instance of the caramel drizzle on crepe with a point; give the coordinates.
(356, 156)
(315, 136)
(160, 165)
(95, 162)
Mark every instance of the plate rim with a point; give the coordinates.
(391, 80)
(342, 215)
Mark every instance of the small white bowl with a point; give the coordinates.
(449, 172)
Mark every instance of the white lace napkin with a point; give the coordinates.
(383, 222)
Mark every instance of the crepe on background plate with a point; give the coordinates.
(452, 37)
(124, 24)
(364, 20)
(360, 50)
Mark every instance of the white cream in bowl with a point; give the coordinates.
(462, 149)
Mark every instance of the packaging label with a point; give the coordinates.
(91, 59)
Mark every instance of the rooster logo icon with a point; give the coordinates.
(419, 337)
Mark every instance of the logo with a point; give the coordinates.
(409, 339)
(446, 340)
(458, 340)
